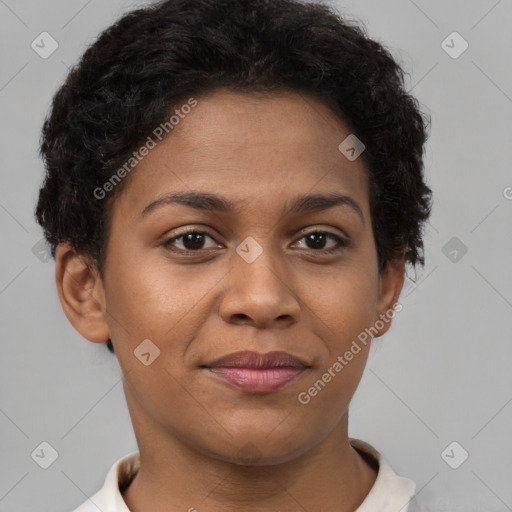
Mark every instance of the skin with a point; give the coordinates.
(204, 443)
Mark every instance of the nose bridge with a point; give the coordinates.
(259, 267)
(258, 289)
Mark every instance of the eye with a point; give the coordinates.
(317, 240)
(191, 240)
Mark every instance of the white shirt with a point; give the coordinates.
(390, 492)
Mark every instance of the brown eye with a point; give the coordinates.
(317, 241)
(191, 241)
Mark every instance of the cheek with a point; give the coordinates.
(346, 311)
(140, 289)
(149, 298)
(345, 302)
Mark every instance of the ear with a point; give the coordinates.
(81, 293)
(391, 281)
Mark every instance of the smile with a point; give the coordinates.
(257, 373)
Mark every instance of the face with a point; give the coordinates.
(251, 264)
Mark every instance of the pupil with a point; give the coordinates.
(315, 238)
(193, 241)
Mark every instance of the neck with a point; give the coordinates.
(174, 476)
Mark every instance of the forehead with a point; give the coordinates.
(249, 147)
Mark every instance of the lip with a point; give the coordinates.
(255, 372)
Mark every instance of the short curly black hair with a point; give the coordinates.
(144, 66)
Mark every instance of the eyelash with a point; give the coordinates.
(342, 243)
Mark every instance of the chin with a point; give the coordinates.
(250, 448)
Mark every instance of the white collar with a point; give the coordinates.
(390, 492)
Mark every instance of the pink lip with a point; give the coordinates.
(257, 373)
(257, 380)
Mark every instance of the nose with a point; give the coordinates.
(258, 294)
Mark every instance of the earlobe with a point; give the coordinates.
(390, 286)
(81, 294)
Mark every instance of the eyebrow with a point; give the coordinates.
(214, 203)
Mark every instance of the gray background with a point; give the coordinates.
(441, 374)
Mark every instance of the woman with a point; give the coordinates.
(233, 191)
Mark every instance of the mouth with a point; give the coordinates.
(257, 373)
